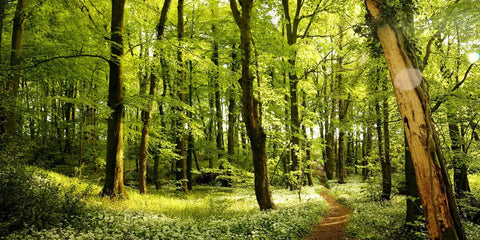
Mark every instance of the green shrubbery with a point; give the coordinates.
(45, 210)
(31, 199)
(286, 223)
(378, 219)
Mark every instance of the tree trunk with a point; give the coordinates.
(387, 171)
(3, 5)
(13, 81)
(250, 107)
(147, 114)
(414, 205)
(114, 168)
(181, 167)
(218, 104)
(342, 112)
(367, 144)
(232, 116)
(459, 174)
(380, 142)
(434, 187)
(191, 139)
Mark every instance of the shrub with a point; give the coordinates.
(291, 222)
(32, 199)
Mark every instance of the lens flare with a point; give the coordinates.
(408, 79)
(473, 57)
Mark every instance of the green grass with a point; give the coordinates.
(376, 219)
(474, 181)
(205, 213)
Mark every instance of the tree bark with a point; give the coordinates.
(387, 171)
(250, 107)
(232, 116)
(434, 187)
(114, 168)
(181, 168)
(13, 81)
(3, 4)
(218, 104)
(191, 139)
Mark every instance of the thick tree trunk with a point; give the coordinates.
(3, 5)
(13, 81)
(434, 187)
(114, 168)
(181, 167)
(250, 107)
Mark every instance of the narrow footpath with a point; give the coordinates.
(332, 227)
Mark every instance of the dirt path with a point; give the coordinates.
(332, 227)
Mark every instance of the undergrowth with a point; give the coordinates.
(205, 213)
(375, 219)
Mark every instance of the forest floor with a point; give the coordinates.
(332, 227)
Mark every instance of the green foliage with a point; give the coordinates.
(373, 219)
(32, 199)
(207, 213)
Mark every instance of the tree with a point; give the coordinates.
(250, 106)
(114, 168)
(13, 82)
(181, 167)
(147, 114)
(434, 187)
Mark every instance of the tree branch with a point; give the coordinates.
(428, 51)
(235, 12)
(440, 101)
(61, 57)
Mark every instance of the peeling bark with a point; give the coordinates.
(414, 105)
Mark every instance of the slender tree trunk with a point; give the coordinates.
(218, 104)
(342, 112)
(461, 183)
(232, 116)
(380, 143)
(250, 107)
(191, 139)
(308, 157)
(181, 167)
(114, 168)
(387, 171)
(147, 114)
(414, 205)
(434, 186)
(367, 144)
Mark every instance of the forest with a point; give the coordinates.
(240, 119)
